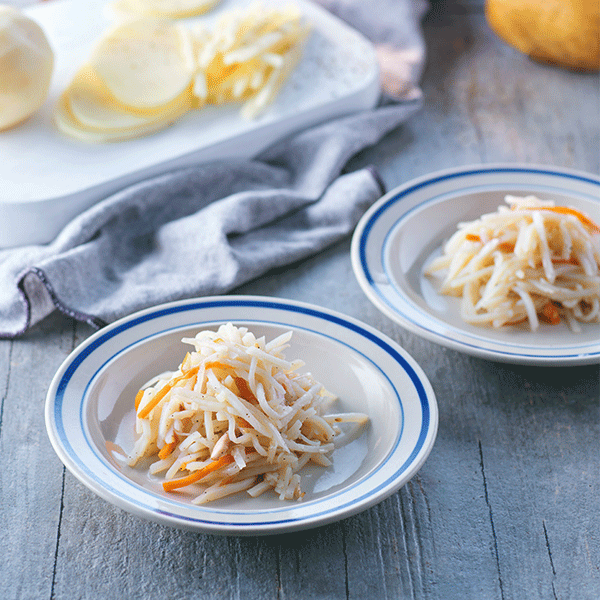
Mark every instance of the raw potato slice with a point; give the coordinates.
(26, 65)
(145, 63)
(176, 9)
(93, 106)
(68, 123)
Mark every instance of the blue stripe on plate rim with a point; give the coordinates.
(425, 182)
(184, 306)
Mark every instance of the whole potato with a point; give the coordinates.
(26, 64)
(562, 32)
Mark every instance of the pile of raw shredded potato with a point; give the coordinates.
(236, 416)
(530, 261)
(146, 72)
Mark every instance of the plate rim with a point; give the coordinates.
(588, 354)
(152, 510)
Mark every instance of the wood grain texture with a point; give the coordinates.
(31, 478)
(506, 507)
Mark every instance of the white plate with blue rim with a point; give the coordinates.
(401, 233)
(90, 412)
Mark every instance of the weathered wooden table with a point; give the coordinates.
(507, 505)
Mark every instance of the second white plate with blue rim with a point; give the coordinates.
(401, 232)
(90, 412)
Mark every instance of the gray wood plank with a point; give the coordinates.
(312, 564)
(32, 475)
(101, 545)
(542, 477)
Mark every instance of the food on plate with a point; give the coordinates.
(26, 65)
(174, 9)
(235, 416)
(530, 261)
(145, 74)
(561, 32)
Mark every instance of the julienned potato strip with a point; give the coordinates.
(131, 84)
(235, 416)
(530, 261)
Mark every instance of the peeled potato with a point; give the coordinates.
(175, 9)
(562, 32)
(26, 64)
(145, 63)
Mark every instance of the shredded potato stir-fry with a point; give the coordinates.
(530, 261)
(235, 416)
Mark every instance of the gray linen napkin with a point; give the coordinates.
(201, 230)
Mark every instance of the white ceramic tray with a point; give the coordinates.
(48, 178)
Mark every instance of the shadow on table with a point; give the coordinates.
(567, 387)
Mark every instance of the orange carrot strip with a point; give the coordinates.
(215, 364)
(168, 448)
(226, 480)
(138, 399)
(195, 476)
(565, 210)
(550, 314)
(471, 237)
(565, 261)
(157, 398)
(506, 247)
(245, 392)
(189, 373)
(164, 391)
